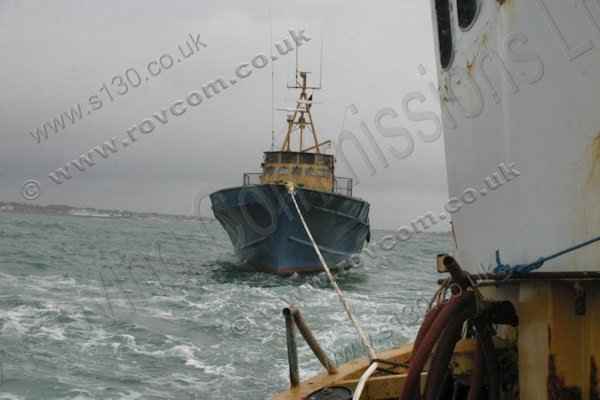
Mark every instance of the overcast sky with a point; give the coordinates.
(58, 54)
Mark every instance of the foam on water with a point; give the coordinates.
(134, 309)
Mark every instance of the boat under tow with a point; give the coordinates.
(265, 226)
(265, 230)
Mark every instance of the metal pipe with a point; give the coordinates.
(292, 348)
(457, 273)
(476, 381)
(492, 369)
(312, 342)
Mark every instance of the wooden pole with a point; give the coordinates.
(292, 348)
(312, 342)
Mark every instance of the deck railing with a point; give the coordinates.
(252, 178)
(341, 185)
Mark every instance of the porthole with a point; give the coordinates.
(444, 26)
(467, 10)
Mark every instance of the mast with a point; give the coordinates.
(301, 119)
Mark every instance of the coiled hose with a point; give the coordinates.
(421, 354)
(442, 329)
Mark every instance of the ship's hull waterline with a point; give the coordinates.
(268, 236)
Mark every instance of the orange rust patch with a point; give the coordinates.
(470, 67)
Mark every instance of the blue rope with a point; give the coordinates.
(526, 268)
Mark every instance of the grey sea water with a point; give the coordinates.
(125, 308)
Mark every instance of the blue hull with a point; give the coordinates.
(267, 234)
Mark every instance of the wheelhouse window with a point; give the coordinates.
(323, 159)
(442, 9)
(289, 158)
(272, 157)
(468, 10)
(308, 158)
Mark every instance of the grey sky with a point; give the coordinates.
(56, 54)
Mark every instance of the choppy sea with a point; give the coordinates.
(130, 308)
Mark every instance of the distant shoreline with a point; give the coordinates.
(87, 212)
(90, 212)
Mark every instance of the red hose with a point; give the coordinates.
(440, 361)
(412, 383)
(425, 326)
(427, 322)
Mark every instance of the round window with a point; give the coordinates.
(442, 10)
(467, 13)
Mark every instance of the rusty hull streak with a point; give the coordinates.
(594, 382)
(470, 67)
(557, 390)
(595, 153)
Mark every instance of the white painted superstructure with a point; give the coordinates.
(520, 85)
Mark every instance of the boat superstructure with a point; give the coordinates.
(307, 166)
(261, 219)
(517, 314)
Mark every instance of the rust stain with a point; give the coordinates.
(557, 388)
(595, 153)
(594, 384)
(470, 67)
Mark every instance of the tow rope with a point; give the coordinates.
(363, 337)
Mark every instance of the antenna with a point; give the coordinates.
(321, 65)
(272, 79)
(296, 77)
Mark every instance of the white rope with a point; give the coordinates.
(371, 352)
(361, 333)
(363, 381)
